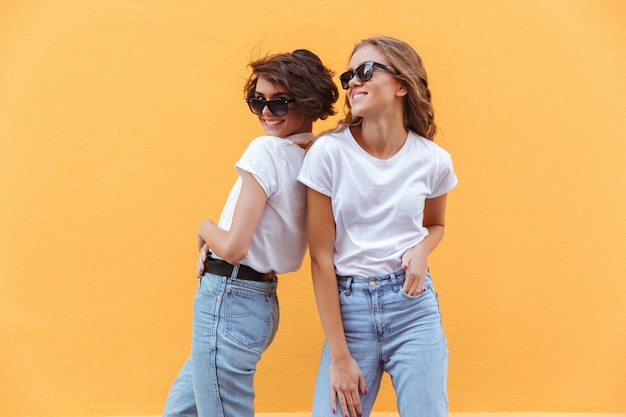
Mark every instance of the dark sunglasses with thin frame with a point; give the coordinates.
(278, 107)
(363, 73)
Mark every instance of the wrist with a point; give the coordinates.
(340, 354)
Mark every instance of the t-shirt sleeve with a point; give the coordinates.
(446, 179)
(315, 172)
(259, 159)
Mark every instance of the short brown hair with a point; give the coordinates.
(303, 75)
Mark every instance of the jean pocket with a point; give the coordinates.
(248, 318)
(210, 285)
(415, 297)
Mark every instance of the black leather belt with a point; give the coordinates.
(223, 268)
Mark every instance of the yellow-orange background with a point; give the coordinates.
(120, 122)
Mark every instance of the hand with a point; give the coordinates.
(414, 261)
(204, 250)
(346, 379)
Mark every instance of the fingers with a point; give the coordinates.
(414, 281)
(362, 385)
(349, 400)
(413, 287)
(350, 404)
(415, 264)
(204, 250)
(405, 261)
(346, 379)
(200, 266)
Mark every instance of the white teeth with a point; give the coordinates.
(273, 122)
(358, 95)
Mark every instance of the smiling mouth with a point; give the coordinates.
(273, 122)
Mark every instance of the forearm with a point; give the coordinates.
(220, 242)
(327, 298)
(434, 222)
(321, 226)
(435, 236)
(233, 245)
(418, 254)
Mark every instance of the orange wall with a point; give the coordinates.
(120, 122)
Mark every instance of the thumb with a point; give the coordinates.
(362, 385)
(405, 262)
(204, 252)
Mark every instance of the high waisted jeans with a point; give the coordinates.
(234, 322)
(389, 331)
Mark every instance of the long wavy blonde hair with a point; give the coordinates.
(419, 114)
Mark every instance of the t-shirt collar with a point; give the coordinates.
(298, 138)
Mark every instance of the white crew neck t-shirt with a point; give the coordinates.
(280, 240)
(378, 205)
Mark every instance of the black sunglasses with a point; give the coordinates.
(278, 107)
(363, 73)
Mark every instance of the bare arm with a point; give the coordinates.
(345, 375)
(415, 260)
(233, 245)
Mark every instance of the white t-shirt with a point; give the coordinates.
(280, 240)
(378, 205)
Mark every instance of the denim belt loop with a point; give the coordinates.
(348, 285)
(235, 271)
(394, 282)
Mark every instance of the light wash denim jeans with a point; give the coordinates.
(180, 401)
(234, 323)
(389, 331)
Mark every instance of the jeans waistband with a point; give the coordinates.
(393, 278)
(238, 271)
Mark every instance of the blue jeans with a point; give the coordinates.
(389, 331)
(180, 401)
(234, 323)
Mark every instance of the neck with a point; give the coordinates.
(380, 139)
(303, 139)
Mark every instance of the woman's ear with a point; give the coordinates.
(401, 91)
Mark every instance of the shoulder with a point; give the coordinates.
(261, 151)
(330, 142)
(267, 141)
(268, 145)
(429, 146)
